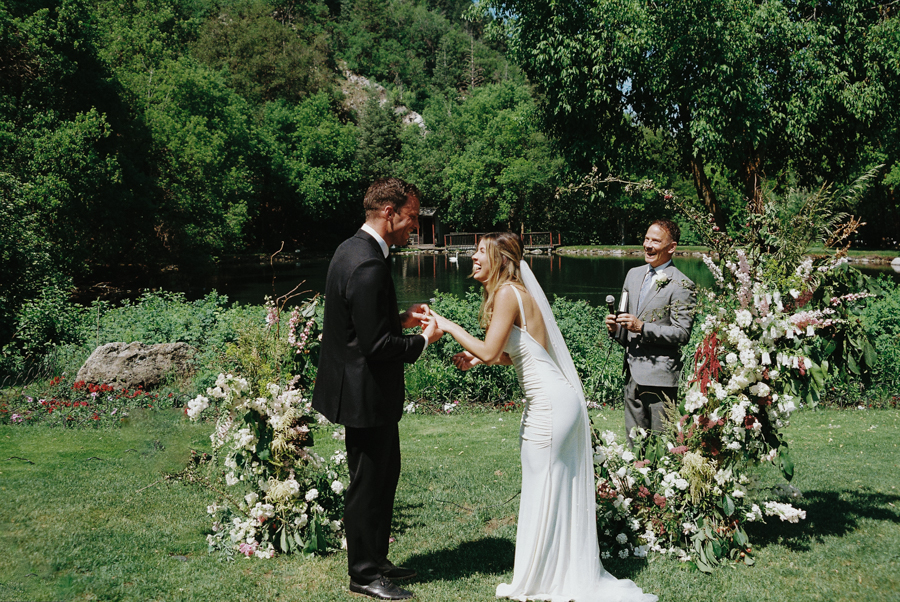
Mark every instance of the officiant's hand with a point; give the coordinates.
(611, 325)
(414, 316)
(465, 360)
(632, 323)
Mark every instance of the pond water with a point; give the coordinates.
(418, 276)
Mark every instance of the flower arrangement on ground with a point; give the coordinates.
(278, 495)
(275, 493)
(776, 325)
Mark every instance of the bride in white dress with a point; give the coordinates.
(557, 556)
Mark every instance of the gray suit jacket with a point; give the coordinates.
(653, 356)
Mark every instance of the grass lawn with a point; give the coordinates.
(77, 522)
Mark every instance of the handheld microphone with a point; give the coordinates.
(610, 304)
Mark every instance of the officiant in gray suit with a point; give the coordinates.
(656, 325)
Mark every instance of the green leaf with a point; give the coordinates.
(740, 538)
(710, 553)
(870, 355)
(284, 542)
(728, 505)
(785, 463)
(703, 567)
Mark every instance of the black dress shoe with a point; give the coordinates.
(381, 588)
(397, 573)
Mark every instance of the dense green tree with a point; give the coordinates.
(269, 51)
(62, 118)
(25, 259)
(496, 169)
(379, 140)
(756, 87)
(311, 192)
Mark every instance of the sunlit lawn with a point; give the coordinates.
(77, 522)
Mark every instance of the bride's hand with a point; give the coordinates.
(465, 360)
(430, 328)
(443, 323)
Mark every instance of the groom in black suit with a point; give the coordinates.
(360, 378)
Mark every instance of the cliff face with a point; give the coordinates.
(357, 88)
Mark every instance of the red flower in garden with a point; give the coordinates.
(660, 501)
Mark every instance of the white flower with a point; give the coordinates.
(623, 553)
(785, 512)
(738, 413)
(196, 406)
(622, 538)
(599, 455)
(628, 456)
(337, 487)
(731, 359)
(760, 389)
(694, 400)
(641, 551)
(681, 484)
(312, 494)
(743, 318)
(251, 498)
(755, 514)
(230, 479)
(737, 493)
(605, 555)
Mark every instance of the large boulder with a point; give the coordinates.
(131, 365)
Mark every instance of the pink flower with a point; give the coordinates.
(247, 549)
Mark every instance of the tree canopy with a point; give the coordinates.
(755, 88)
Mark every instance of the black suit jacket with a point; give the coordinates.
(360, 376)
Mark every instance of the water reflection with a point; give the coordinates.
(418, 276)
(587, 278)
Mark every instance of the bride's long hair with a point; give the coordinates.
(504, 251)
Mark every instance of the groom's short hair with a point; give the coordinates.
(388, 191)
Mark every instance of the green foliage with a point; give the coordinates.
(379, 140)
(314, 181)
(486, 159)
(756, 88)
(25, 260)
(201, 129)
(267, 51)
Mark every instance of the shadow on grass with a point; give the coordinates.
(491, 556)
(828, 514)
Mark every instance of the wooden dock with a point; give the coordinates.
(533, 241)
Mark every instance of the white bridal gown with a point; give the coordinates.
(557, 556)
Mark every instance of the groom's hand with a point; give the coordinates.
(414, 316)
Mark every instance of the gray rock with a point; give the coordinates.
(135, 364)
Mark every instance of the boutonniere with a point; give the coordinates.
(660, 279)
